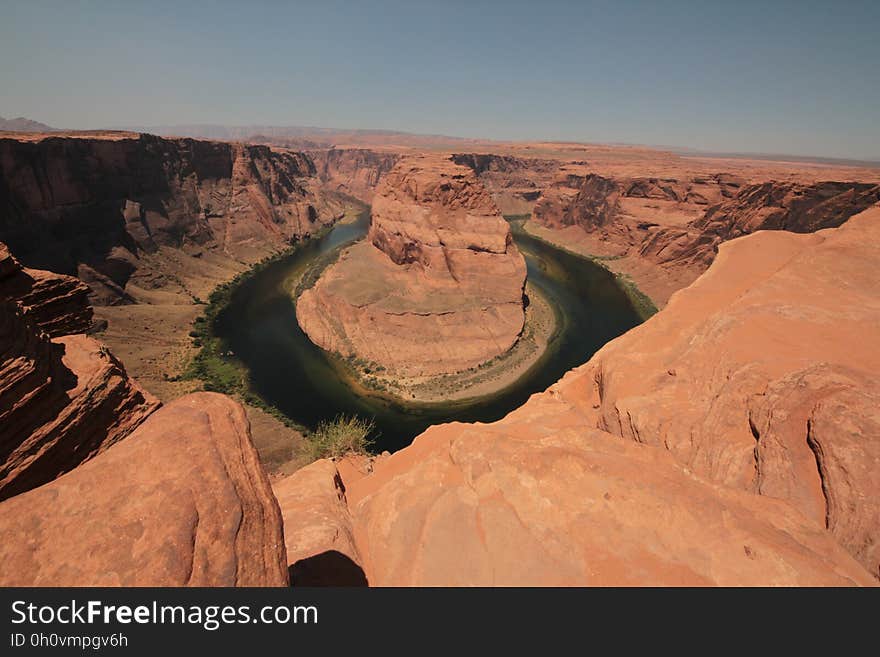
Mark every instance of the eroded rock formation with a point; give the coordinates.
(668, 230)
(320, 544)
(436, 288)
(94, 207)
(766, 206)
(63, 399)
(514, 182)
(182, 502)
(732, 439)
(353, 171)
(542, 500)
(57, 304)
(594, 203)
(745, 371)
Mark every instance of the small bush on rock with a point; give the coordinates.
(342, 435)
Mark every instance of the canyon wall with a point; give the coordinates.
(437, 287)
(732, 439)
(97, 207)
(57, 304)
(352, 171)
(665, 232)
(514, 182)
(765, 206)
(153, 226)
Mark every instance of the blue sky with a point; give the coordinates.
(781, 77)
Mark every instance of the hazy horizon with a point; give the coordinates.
(792, 78)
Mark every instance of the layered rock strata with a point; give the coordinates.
(436, 288)
(98, 206)
(765, 206)
(514, 182)
(352, 171)
(63, 399)
(57, 304)
(665, 232)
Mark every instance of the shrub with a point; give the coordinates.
(342, 435)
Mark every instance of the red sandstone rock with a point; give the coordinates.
(767, 206)
(58, 304)
(317, 527)
(593, 204)
(438, 286)
(762, 376)
(182, 501)
(352, 171)
(733, 439)
(661, 232)
(541, 500)
(95, 207)
(62, 401)
(514, 182)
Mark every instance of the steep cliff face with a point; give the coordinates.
(732, 439)
(765, 206)
(664, 232)
(63, 398)
(183, 501)
(514, 182)
(94, 207)
(609, 207)
(427, 209)
(436, 288)
(592, 204)
(353, 171)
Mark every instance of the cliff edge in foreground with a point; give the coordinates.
(63, 396)
(183, 501)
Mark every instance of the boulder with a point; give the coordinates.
(183, 501)
(317, 527)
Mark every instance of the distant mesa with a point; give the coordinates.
(436, 288)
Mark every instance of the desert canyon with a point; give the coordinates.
(733, 438)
